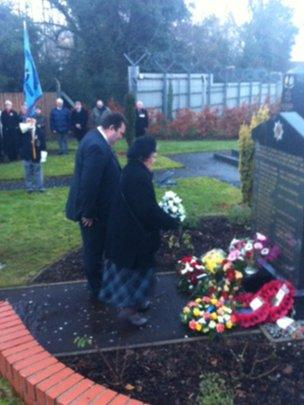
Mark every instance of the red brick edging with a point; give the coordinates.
(38, 377)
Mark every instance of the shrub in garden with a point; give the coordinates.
(184, 124)
(246, 148)
(129, 103)
(214, 391)
(170, 101)
(240, 215)
(157, 123)
(114, 106)
(208, 122)
(232, 119)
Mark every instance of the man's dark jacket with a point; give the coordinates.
(79, 117)
(141, 121)
(11, 134)
(60, 120)
(133, 233)
(26, 149)
(96, 177)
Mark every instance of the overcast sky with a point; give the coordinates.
(238, 8)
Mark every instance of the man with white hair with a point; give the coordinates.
(98, 114)
(10, 131)
(60, 125)
(141, 120)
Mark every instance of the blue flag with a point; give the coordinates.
(31, 84)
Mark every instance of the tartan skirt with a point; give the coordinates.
(123, 287)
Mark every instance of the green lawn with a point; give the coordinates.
(169, 147)
(172, 147)
(7, 396)
(64, 165)
(35, 233)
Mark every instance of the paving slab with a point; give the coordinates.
(58, 313)
(203, 164)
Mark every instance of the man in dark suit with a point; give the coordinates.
(79, 121)
(95, 181)
(10, 131)
(141, 120)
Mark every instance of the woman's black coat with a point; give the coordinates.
(136, 220)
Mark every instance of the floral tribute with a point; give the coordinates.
(246, 252)
(214, 280)
(213, 260)
(213, 274)
(191, 272)
(272, 302)
(208, 315)
(225, 283)
(171, 203)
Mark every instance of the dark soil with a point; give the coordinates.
(211, 233)
(256, 371)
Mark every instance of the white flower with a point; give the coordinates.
(258, 246)
(170, 194)
(212, 325)
(265, 252)
(248, 247)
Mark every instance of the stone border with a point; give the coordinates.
(38, 377)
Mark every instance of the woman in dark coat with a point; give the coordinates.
(134, 235)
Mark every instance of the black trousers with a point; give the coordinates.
(94, 245)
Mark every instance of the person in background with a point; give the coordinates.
(23, 113)
(79, 121)
(141, 120)
(133, 235)
(95, 181)
(32, 144)
(60, 125)
(10, 131)
(99, 112)
(40, 122)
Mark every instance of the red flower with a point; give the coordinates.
(230, 275)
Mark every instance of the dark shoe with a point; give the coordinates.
(41, 190)
(137, 319)
(30, 191)
(145, 306)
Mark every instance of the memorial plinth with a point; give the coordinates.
(278, 191)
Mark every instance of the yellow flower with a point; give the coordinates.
(229, 325)
(198, 327)
(196, 312)
(213, 301)
(198, 300)
(238, 275)
(186, 310)
(213, 316)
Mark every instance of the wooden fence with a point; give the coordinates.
(47, 102)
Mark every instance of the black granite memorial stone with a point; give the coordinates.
(278, 191)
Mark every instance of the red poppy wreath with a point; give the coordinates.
(250, 310)
(273, 301)
(280, 296)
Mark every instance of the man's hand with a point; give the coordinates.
(78, 126)
(87, 222)
(54, 132)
